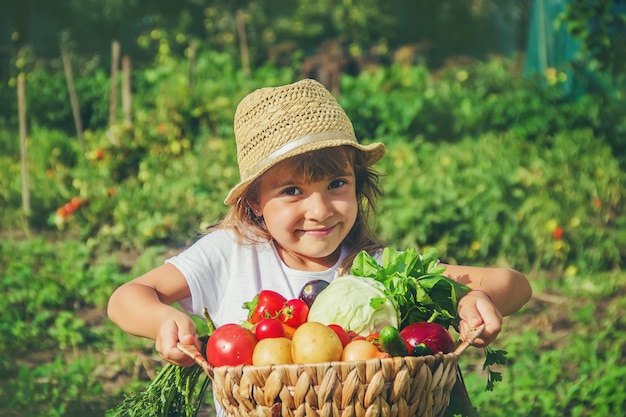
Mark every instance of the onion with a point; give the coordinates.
(359, 350)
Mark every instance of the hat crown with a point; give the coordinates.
(275, 123)
(270, 118)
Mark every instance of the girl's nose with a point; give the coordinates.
(318, 207)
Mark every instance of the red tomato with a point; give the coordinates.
(343, 335)
(266, 304)
(295, 312)
(230, 344)
(267, 328)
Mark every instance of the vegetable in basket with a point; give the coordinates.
(392, 342)
(427, 338)
(422, 294)
(414, 283)
(355, 303)
(311, 289)
(231, 345)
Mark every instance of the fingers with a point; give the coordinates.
(476, 309)
(170, 334)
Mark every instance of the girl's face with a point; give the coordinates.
(308, 220)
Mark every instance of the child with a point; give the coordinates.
(299, 213)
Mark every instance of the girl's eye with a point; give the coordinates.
(291, 191)
(337, 184)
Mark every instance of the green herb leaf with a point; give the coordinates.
(493, 357)
(492, 379)
(176, 391)
(415, 284)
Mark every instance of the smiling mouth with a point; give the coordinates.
(318, 232)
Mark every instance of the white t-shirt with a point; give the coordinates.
(222, 274)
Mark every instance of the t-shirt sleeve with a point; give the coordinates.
(203, 266)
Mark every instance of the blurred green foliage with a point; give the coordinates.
(482, 163)
(488, 166)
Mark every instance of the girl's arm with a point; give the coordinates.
(500, 292)
(142, 307)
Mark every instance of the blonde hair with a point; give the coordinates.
(314, 166)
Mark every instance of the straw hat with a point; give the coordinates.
(276, 123)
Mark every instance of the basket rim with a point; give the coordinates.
(350, 364)
(193, 352)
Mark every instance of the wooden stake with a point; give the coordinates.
(192, 63)
(21, 107)
(69, 79)
(115, 63)
(127, 99)
(243, 42)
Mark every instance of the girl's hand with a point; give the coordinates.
(173, 330)
(475, 309)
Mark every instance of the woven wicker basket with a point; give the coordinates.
(391, 387)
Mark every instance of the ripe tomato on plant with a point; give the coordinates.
(76, 202)
(230, 345)
(266, 304)
(294, 312)
(269, 328)
(69, 208)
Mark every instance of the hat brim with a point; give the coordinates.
(371, 153)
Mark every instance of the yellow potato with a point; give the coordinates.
(314, 342)
(272, 351)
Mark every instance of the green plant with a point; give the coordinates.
(57, 388)
(567, 361)
(500, 198)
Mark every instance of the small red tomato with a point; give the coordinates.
(268, 328)
(343, 335)
(230, 345)
(266, 304)
(557, 233)
(295, 312)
